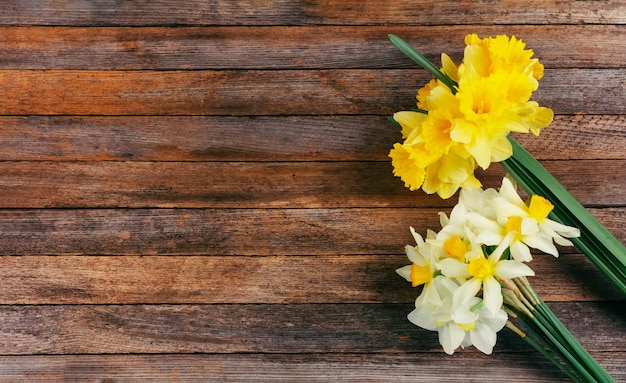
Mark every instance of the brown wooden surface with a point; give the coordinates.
(200, 191)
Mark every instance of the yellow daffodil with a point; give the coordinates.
(466, 124)
(448, 174)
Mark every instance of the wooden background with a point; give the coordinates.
(200, 191)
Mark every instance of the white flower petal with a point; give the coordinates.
(418, 238)
(529, 226)
(492, 295)
(466, 292)
(564, 230)
(453, 268)
(509, 193)
(457, 215)
(443, 219)
(430, 234)
(542, 243)
(520, 252)
(450, 337)
(414, 255)
(431, 294)
(504, 208)
(483, 338)
(562, 241)
(463, 314)
(483, 223)
(422, 316)
(405, 272)
(495, 322)
(489, 238)
(509, 269)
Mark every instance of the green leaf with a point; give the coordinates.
(423, 62)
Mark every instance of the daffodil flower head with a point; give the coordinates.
(463, 326)
(454, 239)
(422, 270)
(449, 173)
(482, 333)
(528, 226)
(481, 274)
(478, 200)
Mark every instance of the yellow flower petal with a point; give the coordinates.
(449, 67)
(409, 121)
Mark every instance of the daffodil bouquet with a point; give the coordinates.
(474, 270)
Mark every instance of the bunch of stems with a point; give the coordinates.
(548, 335)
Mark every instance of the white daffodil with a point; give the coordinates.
(452, 239)
(523, 227)
(439, 317)
(479, 201)
(469, 324)
(422, 270)
(482, 333)
(483, 273)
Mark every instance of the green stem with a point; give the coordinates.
(546, 350)
(548, 317)
(547, 327)
(563, 349)
(551, 349)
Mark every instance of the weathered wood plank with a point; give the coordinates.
(210, 280)
(331, 47)
(321, 368)
(271, 92)
(261, 185)
(284, 138)
(226, 231)
(284, 12)
(212, 231)
(302, 328)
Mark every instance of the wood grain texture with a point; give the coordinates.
(267, 138)
(284, 12)
(315, 368)
(232, 231)
(200, 191)
(261, 185)
(264, 328)
(270, 92)
(330, 47)
(227, 279)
